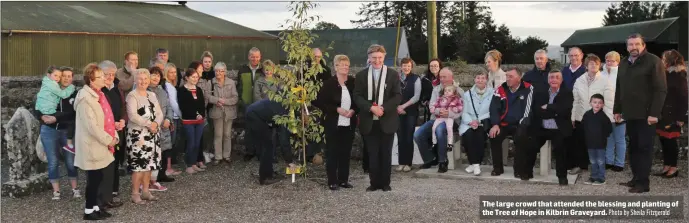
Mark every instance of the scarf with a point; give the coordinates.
(381, 81)
(676, 68)
(109, 118)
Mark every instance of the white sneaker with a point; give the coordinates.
(56, 195)
(76, 193)
(470, 169)
(399, 168)
(477, 169)
(406, 168)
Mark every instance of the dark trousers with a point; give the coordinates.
(206, 140)
(163, 163)
(120, 153)
(496, 147)
(258, 130)
(109, 184)
(474, 141)
(670, 151)
(94, 183)
(640, 151)
(379, 145)
(338, 152)
(405, 139)
(364, 156)
(577, 153)
(558, 147)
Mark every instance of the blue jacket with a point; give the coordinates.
(482, 107)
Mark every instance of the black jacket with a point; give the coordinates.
(538, 78)
(596, 127)
(560, 110)
(392, 98)
(265, 109)
(65, 114)
(189, 106)
(116, 100)
(323, 75)
(329, 99)
(641, 88)
(675, 106)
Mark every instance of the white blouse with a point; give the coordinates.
(346, 104)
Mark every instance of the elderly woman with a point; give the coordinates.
(170, 83)
(674, 113)
(264, 83)
(95, 138)
(592, 82)
(222, 95)
(408, 113)
(617, 143)
(475, 121)
(165, 142)
(143, 139)
(496, 76)
(193, 114)
(428, 82)
(116, 100)
(335, 100)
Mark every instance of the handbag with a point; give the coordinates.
(485, 123)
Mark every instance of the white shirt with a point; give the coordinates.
(346, 104)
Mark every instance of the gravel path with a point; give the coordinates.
(231, 194)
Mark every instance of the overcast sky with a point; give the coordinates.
(552, 21)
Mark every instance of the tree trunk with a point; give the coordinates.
(431, 32)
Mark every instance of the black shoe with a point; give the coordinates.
(638, 190)
(333, 187)
(673, 175)
(660, 174)
(268, 181)
(93, 217)
(563, 181)
(165, 178)
(429, 164)
(442, 167)
(387, 188)
(627, 184)
(449, 147)
(346, 185)
(365, 170)
(103, 214)
(113, 204)
(371, 188)
(525, 178)
(248, 157)
(497, 173)
(608, 166)
(617, 168)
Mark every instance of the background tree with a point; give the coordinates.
(630, 12)
(298, 91)
(323, 25)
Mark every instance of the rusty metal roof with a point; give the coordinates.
(119, 18)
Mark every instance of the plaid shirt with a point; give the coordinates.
(550, 123)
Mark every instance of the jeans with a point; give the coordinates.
(194, 133)
(405, 139)
(617, 146)
(423, 135)
(597, 158)
(53, 140)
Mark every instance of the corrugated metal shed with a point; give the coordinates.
(38, 34)
(652, 31)
(355, 42)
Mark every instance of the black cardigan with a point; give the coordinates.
(330, 98)
(189, 106)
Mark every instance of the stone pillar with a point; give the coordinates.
(27, 173)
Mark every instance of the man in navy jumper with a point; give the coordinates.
(538, 76)
(574, 70)
(510, 107)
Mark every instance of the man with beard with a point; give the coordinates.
(639, 97)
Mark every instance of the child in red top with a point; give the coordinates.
(452, 102)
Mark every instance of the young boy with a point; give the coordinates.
(597, 128)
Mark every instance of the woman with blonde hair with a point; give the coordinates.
(496, 76)
(143, 139)
(96, 138)
(172, 81)
(265, 83)
(617, 143)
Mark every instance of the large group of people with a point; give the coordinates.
(136, 117)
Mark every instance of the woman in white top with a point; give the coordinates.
(335, 100)
(496, 76)
(617, 143)
(592, 82)
(170, 76)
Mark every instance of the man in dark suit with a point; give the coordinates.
(377, 94)
(552, 110)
